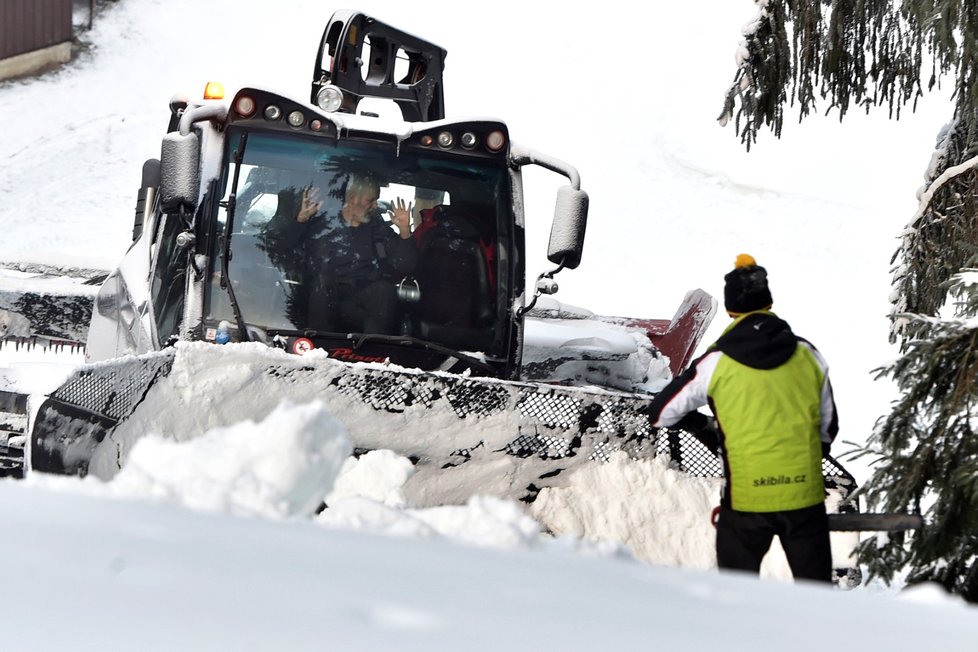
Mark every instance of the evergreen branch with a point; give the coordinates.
(940, 239)
(851, 53)
(929, 431)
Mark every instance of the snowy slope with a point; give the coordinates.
(673, 199)
(128, 565)
(160, 578)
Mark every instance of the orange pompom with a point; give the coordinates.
(744, 260)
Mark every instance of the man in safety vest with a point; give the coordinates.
(775, 417)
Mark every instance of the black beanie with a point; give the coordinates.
(746, 287)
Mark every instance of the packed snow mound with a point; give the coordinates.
(294, 461)
(484, 521)
(662, 515)
(281, 466)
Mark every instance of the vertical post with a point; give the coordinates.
(675, 446)
(91, 12)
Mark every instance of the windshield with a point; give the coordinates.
(351, 237)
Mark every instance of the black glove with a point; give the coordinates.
(703, 427)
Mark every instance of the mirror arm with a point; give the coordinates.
(197, 114)
(521, 156)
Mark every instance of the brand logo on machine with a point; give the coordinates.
(301, 345)
(349, 355)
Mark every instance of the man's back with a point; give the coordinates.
(766, 389)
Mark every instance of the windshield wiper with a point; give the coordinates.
(359, 339)
(226, 248)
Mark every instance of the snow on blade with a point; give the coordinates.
(279, 467)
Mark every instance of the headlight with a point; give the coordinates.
(329, 98)
(296, 119)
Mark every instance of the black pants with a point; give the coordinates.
(743, 538)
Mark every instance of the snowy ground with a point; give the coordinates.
(674, 198)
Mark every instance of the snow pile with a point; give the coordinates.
(378, 475)
(662, 515)
(279, 467)
(292, 462)
(368, 496)
(298, 458)
(484, 521)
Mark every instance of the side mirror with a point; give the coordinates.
(179, 172)
(569, 225)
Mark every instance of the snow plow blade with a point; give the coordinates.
(677, 339)
(41, 305)
(466, 435)
(856, 522)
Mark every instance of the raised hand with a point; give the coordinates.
(309, 205)
(400, 215)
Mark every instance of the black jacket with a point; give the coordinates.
(326, 249)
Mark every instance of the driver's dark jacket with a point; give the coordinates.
(325, 249)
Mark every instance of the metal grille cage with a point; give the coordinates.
(114, 390)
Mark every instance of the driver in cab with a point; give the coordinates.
(349, 257)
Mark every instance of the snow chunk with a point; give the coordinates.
(484, 521)
(368, 496)
(365, 515)
(282, 466)
(378, 475)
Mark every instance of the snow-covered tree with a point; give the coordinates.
(868, 53)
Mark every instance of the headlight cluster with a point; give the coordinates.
(246, 106)
(494, 141)
(468, 137)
